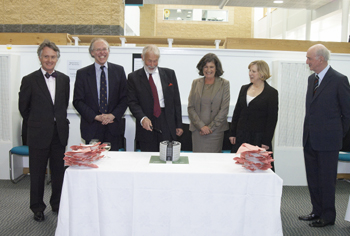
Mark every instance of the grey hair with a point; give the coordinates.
(321, 50)
(91, 48)
(49, 44)
(150, 49)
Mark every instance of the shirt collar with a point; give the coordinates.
(154, 72)
(98, 66)
(44, 72)
(323, 72)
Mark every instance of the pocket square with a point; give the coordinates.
(170, 84)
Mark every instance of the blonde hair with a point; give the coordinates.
(263, 69)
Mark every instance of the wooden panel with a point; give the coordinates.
(283, 45)
(33, 38)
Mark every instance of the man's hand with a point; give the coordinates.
(147, 124)
(232, 140)
(107, 119)
(179, 131)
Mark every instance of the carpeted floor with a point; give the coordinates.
(16, 219)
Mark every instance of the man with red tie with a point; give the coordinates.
(154, 100)
(43, 103)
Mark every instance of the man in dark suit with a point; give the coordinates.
(327, 120)
(100, 96)
(154, 100)
(43, 102)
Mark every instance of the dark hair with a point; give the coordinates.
(210, 57)
(49, 44)
(91, 48)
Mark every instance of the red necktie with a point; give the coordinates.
(156, 106)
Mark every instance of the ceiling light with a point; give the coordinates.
(277, 1)
(178, 10)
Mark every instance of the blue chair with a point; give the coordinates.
(19, 151)
(344, 156)
(23, 151)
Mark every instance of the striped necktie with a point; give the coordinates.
(316, 83)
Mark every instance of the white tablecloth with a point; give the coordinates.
(210, 196)
(347, 214)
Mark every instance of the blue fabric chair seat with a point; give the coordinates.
(20, 150)
(344, 156)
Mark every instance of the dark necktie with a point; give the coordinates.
(54, 74)
(316, 83)
(156, 106)
(103, 92)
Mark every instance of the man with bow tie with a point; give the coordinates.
(43, 103)
(154, 100)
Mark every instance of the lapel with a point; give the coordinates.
(163, 81)
(326, 79)
(43, 86)
(199, 88)
(217, 85)
(91, 80)
(112, 80)
(144, 81)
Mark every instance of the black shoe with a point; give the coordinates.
(320, 223)
(309, 217)
(39, 216)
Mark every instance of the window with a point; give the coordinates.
(195, 15)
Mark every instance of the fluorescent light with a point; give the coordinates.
(277, 1)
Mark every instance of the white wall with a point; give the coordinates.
(183, 61)
(325, 24)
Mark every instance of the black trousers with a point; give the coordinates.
(104, 135)
(321, 173)
(159, 123)
(37, 166)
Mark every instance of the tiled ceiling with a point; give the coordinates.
(305, 4)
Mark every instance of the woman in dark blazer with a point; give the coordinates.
(255, 116)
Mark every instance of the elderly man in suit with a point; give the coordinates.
(43, 102)
(327, 120)
(154, 100)
(100, 96)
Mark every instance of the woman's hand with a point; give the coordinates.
(232, 140)
(205, 130)
(265, 146)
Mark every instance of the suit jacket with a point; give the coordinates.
(85, 99)
(327, 117)
(140, 101)
(260, 117)
(220, 102)
(39, 112)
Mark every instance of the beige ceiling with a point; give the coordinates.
(305, 4)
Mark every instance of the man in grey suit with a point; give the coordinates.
(154, 100)
(43, 102)
(327, 120)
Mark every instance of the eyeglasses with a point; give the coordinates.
(101, 49)
(47, 57)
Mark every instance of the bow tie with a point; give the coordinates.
(54, 74)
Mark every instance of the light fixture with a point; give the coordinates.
(178, 10)
(277, 2)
